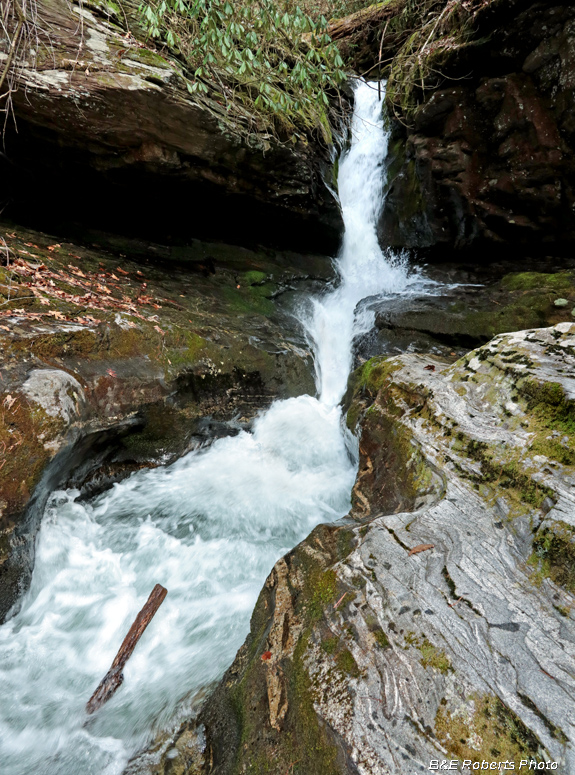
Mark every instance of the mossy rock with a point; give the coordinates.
(492, 732)
(237, 716)
(462, 318)
(554, 554)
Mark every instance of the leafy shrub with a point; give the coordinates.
(266, 67)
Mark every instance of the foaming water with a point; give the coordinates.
(334, 320)
(209, 528)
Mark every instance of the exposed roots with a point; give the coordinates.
(18, 43)
(432, 31)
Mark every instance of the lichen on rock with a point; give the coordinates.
(460, 649)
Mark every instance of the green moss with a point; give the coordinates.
(253, 276)
(346, 663)
(374, 372)
(184, 348)
(511, 475)
(449, 581)
(422, 476)
(107, 8)
(69, 343)
(499, 732)
(107, 341)
(321, 591)
(352, 416)
(397, 457)
(517, 302)
(514, 356)
(554, 555)
(562, 611)
(381, 639)
(346, 542)
(527, 281)
(548, 402)
(251, 300)
(307, 743)
(329, 645)
(554, 731)
(399, 471)
(555, 450)
(433, 657)
(507, 472)
(514, 316)
(147, 57)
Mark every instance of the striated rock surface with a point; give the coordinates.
(109, 364)
(106, 124)
(488, 158)
(442, 626)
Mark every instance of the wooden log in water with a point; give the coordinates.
(114, 677)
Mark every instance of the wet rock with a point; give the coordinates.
(471, 312)
(109, 364)
(487, 161)
(58, 393)
(461, 650)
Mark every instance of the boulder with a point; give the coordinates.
(440, 626)
(470, 313)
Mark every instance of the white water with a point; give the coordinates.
(209, 528)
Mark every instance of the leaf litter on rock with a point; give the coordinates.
(97, 295)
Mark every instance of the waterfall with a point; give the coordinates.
(363, 269)
(209, 528)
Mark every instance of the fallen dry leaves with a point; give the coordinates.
(420, 548)
(96, 290)
(8, 401)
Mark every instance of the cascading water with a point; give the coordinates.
(209, 528)
(364, 270)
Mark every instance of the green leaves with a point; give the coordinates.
(273, 65)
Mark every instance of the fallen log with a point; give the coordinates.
(114, 677)
(366, 40)
(372, 16)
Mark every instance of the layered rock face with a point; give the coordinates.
(440, 627)
(489, 157)
(109, 135)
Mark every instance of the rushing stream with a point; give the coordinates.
(209, 528)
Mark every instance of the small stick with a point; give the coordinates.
(339, 601)
(379, 61)
(114, 677)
